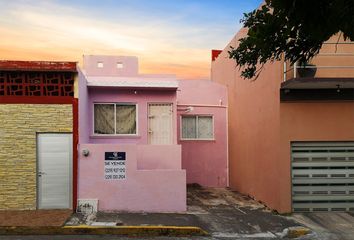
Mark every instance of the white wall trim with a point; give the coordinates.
(201, 105)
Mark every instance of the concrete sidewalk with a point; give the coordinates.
(218, 211)
(221, 213)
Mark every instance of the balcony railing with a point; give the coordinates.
(335, 60)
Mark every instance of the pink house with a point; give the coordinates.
(143, 137)
(205, 157)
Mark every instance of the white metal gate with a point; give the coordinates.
(160, 123)
(54, 171)
(322, 176)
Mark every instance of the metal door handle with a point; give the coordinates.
(41, 173)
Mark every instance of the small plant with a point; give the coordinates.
(306, 70)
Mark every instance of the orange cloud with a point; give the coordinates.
(35, 33)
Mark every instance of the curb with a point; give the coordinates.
(99, 230)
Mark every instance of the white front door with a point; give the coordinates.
(54, 171)
(160, 123)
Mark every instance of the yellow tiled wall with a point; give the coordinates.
(19, 124)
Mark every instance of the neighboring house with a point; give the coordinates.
(129, 155)
(38, 135)
(291, 135)
(202, 131)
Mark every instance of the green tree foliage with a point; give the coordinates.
(293, 28)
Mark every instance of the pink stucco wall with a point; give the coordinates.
(159, 190)
(130, 65)
(84, 134)
(205, 161)
(261, 129)
(155, 181)
(142, 98)
(154, 157)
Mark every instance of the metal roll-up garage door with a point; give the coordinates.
(322, 176)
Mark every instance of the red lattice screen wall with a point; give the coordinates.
(22, 83)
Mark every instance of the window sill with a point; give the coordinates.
(115, 136)
(197, 139)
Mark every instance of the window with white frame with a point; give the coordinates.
(115, 118)
(197, 127)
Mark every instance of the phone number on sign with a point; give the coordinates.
(107, 177)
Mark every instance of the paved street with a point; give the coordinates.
(329, 225)
(225, 215)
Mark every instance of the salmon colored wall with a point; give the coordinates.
(306, 121)
(261, 128)
(330, 65)
(253, 127)
(344, 57)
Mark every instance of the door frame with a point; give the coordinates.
(73, 180)
(148, 120)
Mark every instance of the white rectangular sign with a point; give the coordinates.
(114, 166)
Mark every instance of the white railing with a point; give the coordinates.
(335, 60)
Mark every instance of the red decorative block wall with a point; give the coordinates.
(22, 83)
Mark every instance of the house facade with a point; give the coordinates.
(131, 155)
(291, 133)
(105, 137)
(38, 135)
(202, 131)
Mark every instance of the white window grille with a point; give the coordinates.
(197, 127)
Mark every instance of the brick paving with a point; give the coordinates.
(34, 218)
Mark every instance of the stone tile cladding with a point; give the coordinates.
(19, 125)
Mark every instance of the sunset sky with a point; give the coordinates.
(174, 37)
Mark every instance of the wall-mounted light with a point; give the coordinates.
(338, 88)
(85, 152)
(189, 109)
